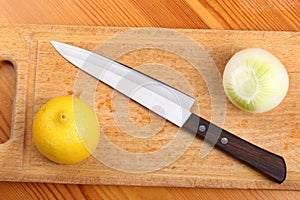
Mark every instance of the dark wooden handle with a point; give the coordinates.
(266, 162)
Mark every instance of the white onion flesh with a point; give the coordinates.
(255, 80)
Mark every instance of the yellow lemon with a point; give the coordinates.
(66, 130)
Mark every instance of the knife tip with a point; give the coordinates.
(54, 42)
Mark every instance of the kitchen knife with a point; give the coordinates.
(172, 105)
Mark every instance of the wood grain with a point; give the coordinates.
(243, 14)
(168, 156)
(64, 191)
(214, 14)
(7, 78)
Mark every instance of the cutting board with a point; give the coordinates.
(136, 146)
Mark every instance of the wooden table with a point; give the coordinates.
(210, 14)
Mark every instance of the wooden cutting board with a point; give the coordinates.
(137, 147)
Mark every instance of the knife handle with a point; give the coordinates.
(264, 161)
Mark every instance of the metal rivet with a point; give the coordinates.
(224, 140)
(202, 128)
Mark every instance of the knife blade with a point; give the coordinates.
(172, 105)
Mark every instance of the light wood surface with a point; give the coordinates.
(169, 156)
(229, 15)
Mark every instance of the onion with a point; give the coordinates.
(255, 80)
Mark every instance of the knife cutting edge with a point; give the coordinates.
(155, 95)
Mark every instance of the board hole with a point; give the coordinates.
(7, 93)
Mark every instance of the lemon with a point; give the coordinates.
(66, 130)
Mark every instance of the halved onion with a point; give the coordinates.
(255, 80)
